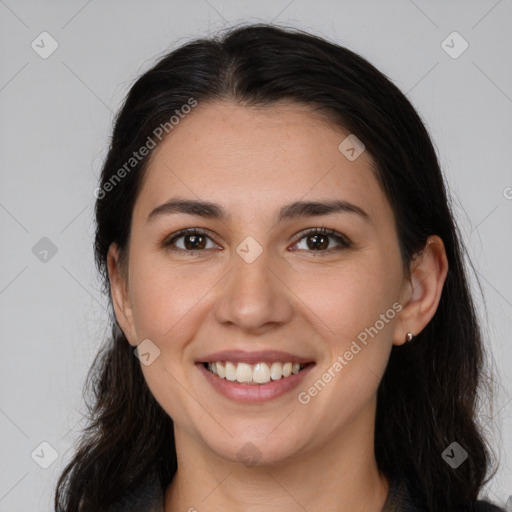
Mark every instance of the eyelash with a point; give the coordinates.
(344, 242)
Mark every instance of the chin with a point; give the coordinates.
(256, 451)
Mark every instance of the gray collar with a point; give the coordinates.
(149, 497)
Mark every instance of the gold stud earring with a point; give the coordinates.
(409, 337)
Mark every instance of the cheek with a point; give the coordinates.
(353, 308)
(347, 299)
(166, 385)
(166, 297)
(357, 309)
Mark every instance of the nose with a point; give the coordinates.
(254, 296)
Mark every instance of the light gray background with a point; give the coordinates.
(55, 119)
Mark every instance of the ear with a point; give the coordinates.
(120, 296)
(421, 293)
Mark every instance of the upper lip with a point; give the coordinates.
(241, 356)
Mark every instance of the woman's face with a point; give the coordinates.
(253, 283)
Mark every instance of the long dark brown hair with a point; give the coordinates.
(428, 395)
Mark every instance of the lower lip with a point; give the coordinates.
(254, 393)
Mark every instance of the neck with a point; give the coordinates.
(340, 475)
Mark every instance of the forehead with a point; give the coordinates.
(251, 158)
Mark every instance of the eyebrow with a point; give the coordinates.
(290, 211)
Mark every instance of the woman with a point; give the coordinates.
(293, 325)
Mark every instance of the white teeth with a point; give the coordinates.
(221, 371)
(259, 373)
(230, 371)
(276, 371)
(243, 372)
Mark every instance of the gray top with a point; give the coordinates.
(150, 498)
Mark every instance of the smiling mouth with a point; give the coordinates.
(254, 374)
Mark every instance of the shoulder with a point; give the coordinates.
(400, 497)
(147, 497)
(485, 506)
(403, 498)
(481, 506)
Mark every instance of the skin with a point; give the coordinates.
(318, 456)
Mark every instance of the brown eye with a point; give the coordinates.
(193, 242)
(319, 240)
(189, 240)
